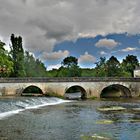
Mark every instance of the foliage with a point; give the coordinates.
(71, 68)
(130, 63)
(88, 72)
(104, 68)
(17, 54)
(24, 63)
(70, 61)
(74, 71)
(6, 65)
(33, 67)
(53, 73)
(113, 66)
(101, 67)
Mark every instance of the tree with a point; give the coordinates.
(87, 72)
(53, 73)
(74, 71)
(17, 54)
(62, 72)
(6, 65)
(33, 67)
(113, 67)
(130, 63)
(101, 67)
(71, 64)
(29, 63)
(70, 61)
(40, 69)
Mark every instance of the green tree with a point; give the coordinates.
(101, 67)
(29, 63)
(74, 71)
(86, 72)
(129, 64)
(6, 65)
(71, 63)
(17, 54)
(40, 68)
(53, 73)
(113, 67)
(34, 67)
(62, 72)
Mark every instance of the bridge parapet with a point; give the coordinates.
(68, 79)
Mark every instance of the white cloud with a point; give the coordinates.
(86, 35)
(107, 43)
(54, 55)
(57, 66)
(128, 49)
(103, 53)
(86, 59)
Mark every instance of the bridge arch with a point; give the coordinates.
(78, 89)
(32, 90)
(115, 90)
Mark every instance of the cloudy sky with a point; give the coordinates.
(86, 29)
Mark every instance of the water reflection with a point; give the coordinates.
(73, 96)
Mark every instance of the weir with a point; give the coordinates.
(90, 86)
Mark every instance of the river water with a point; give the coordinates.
(42, 118)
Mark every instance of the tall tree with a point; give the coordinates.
(101, 67)
(17, 54)
(113, 67)
(130, 63)
(6, 65)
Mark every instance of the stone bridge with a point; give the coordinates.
(89, 86)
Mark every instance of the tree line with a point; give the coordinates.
(20, 63)
(104, 68)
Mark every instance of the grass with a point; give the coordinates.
(92, 98)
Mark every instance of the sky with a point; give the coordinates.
(86, 29)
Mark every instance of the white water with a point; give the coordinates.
(13, 106)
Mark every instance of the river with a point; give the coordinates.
(43, 118)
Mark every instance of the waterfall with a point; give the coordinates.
(11, 106)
